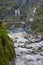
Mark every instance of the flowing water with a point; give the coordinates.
(27, 53)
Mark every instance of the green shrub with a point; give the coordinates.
(7, 52)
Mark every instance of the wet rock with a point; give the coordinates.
(21, 40)
(41, 53)
(12, 62)
(21, 45)
(36, 49)
(15, 45)
(34, 38)
(41, 48)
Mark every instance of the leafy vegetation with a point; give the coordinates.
(37, 25)
(7, 52)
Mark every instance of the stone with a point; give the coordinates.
(15, 45)
(41, 53)
(21, 40)
(41, 48)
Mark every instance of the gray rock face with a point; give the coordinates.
(28, 53)
(21, 2)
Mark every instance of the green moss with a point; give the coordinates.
(7, 52)
(37, 26)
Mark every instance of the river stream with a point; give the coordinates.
(27, 53)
